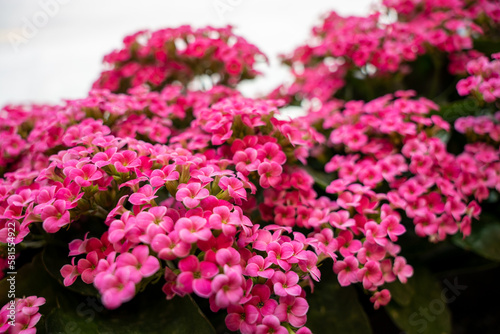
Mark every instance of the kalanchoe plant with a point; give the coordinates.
(166, 201)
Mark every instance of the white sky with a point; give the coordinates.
(62, 56)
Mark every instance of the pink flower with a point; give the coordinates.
(242, 318)
(258, 267)
(234, 188)
(170, 247)
(227, 288)
(280, 254)
(70, 273)
(271, 324)
(293, 310)
(270, 174)
(195, 276)
(392, 227)
(402, 270)
(261, 300)
(271, 152)
(220, 220)
(145, 195)
(246, 161)
(348, 199)
(286, 284)
(116, 288)
(160, 176)
(125, 161)
(309, 265)
(381, 298)
(370, 275)
(87, 267)
(346, 270)
(142, 264)
(55, 216)
(191, 194)
(193, 229)
(85, 175)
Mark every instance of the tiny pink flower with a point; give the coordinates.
(227, 288)
(191, 194)
(286, 284)
(380, 298)
(193, 229)
(270, 174)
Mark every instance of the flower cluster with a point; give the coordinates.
(402, 154)
(150, 180)
(21, 315)
(484, 80)
(346, 48)
(180, 55)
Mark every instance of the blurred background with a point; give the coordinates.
(52, 49)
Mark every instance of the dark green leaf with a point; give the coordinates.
(54, 258)
(322, 179)
(148, 312)
(484, 239)
(336, 309)
(33, 280)
(401, 293)
(424, 311)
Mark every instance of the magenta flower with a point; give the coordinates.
(87, 267)
(145, 195)
(392, 227)
(280, 254)
(402, 270)
(380, 298)
(170, 247)
(271, 325)
(227, 288)
(246, 161)
(140, 262)
(370, 275)
(346, 270)
(191, 194)
(257, 266)
(271, 152)
(261, 299)
(195, 276)
(55, 216)
(193, 229)
(286, 284)
(85, 175)
(293, 310)
(160, 176)
(69, 272)
(234, 187)
(270, 174)
(242, 318)
(116, 288)
(347, 244)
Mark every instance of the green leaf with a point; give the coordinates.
(53, 259)
(33, 280)
(322, 179)
(423, 311)
(148, 312)
(336, 309)
(401, 293)
(457, 109)
(484, 238)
